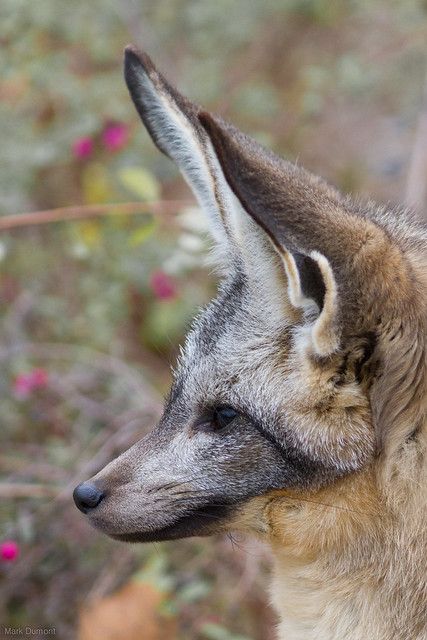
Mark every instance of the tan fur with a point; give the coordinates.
(345, 565)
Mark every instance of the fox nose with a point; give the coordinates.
(87, 496)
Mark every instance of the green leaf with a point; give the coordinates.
(194, 591)
(140, 182)
(96, 184)
(164, 323)
(89, 232)
(141, 234)
(213, 631)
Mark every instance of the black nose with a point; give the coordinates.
(87, 496)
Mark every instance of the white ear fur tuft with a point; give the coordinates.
(176, 133)
(295, 293)
(324, 333)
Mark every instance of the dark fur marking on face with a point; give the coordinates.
(306, 470)
(413, 436)
(198, 522)
(214, 322)
(175, 391)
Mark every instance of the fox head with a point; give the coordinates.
(300, 374)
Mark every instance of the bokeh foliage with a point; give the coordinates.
(336, 85)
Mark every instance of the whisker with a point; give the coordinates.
(235, 544)
(188, 494)
(325, 504)
(206, 515)
(172, 485)
(198, 493)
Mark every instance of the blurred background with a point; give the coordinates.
(102, 266)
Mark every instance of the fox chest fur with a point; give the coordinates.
(298, 408)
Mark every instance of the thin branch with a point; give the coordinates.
(144, 395)
(42, 471)
(26, 490)
(65, 214)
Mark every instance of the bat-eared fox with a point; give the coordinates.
(297, 412)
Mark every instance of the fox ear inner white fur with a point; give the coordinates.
(312, 285)
(173, 124)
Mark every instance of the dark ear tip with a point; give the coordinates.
(132, 52)
(134, 55)
(131, 48)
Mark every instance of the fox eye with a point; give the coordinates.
(222, 416)
(217, 419)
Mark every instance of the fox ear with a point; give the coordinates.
(247, 191)
(310, 227)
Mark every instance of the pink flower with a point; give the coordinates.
(39, 378)
(83, 147)
(115, 136)
(9, 550)
(162, 285)
(26, 383)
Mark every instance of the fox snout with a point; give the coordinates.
(118, 512)
(193, 475)
(154, 492)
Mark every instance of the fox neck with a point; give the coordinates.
(315, 603)
(353, 574)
